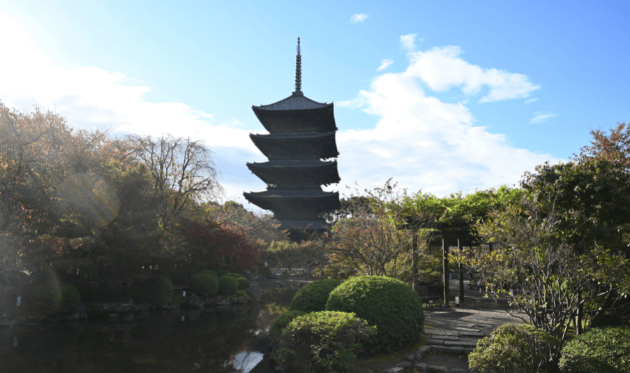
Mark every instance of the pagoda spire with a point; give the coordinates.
(298, 72)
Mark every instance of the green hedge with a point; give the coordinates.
(322, 341)
(389, 304)
(516, 348)
(204, 284)
(56, 297)
(156, 289)
(228, 285)
(281, 322)
(600, 350)
(313, 297)
(209, 272)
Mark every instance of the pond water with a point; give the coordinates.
(183, 340)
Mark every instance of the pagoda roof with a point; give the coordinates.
(300, 145)
(297, 101)
(296, 172)
(275, 199)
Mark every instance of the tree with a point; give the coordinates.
(540, 272)
(219, 245)
(182, 171)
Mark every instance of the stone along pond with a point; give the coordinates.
(210, 339)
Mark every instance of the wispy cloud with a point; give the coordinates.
(359, 17)
(441, 68)
(531, 100)
(384, 64)
(541, 117)
(408, 41)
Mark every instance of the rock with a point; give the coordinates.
(82, 311)
(195, 301)
(435, 341)
(144, 307)
(242, 300)
(394, 370)
(254, 290)
(449, 350)
(222, 303)
(424, 349)
(436, 369)
(458, 370)
(410, 357)
(404, 365)
(422, 367)
(113, 315)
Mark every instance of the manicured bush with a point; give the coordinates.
(204, 284)
(281, 322)
(516, 348)
(156, 289)
(313, 297)
(243, 283)
(387, 303)
(323, 341)
(210, 272)
(179, 278)
(222, 272)
(600, 350)
(56, 297)
(228, 285)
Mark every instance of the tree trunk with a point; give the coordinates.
(578, 317)
(445, 271)
(461, 278)
(414, 269)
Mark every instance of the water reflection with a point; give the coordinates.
(207, 340)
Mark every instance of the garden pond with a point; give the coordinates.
(210, 339)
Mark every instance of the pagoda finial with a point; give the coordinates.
(298, 72)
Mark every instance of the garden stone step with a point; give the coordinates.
(445, 337)
(473, 334)
(460, 343)
(448, 350)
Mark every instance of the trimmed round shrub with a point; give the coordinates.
(278, 326)
(209, 272)
(156, 289)
(179, 278)
(228, 285)
(55, 297)
(204, 284)
(323, 341)
(600, 350)
(222, 272)
(313, 297)
(516, 348)
(387, 303)
(243, 284)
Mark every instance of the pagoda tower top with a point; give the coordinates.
(298, 72)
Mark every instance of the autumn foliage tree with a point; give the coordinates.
(216, 245)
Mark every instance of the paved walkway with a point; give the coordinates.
(454, 331)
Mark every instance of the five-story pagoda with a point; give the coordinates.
(302, 134)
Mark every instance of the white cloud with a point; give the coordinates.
(384, 64)
(428, 144)
(541, 117)
(531, 100)
(359, 17)
(442, 69)
(408, 41)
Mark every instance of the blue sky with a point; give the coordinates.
(442, 96)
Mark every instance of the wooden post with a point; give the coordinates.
(445, 270)
(461, 276)
(414, 270)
